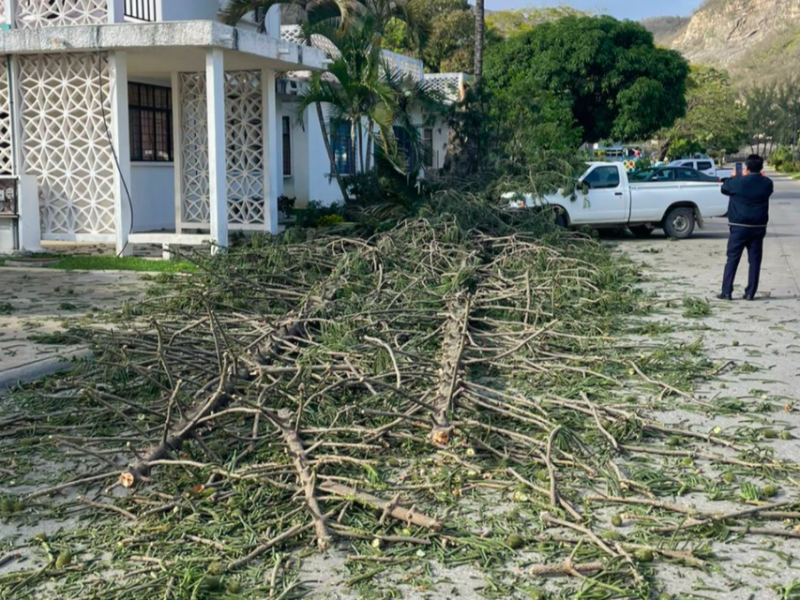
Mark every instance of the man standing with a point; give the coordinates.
(748, 216)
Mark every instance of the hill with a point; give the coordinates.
(666, 30)
(756, 40)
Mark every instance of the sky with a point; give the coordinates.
(622, 9)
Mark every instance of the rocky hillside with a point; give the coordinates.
(756, 40)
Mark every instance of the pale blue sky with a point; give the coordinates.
(622, 9)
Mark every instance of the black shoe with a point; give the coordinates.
(749, 298)
(724, 297)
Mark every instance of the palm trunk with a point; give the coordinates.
(331, 157)
(370, 143)
(480, 37)
(361, 144)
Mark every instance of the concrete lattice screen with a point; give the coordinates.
(65, 141)
(33, 14)
(6, 151)
(194, 149)
(244, 149)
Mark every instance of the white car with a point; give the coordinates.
(705, 166)
(673, 199)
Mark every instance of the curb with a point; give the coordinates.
(41, 368)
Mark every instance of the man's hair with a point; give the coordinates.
(755, 164)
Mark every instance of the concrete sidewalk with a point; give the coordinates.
(35, 302)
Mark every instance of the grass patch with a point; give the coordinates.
(126, 263)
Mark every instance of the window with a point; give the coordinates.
(688, 175)
(705, 166)
(427, 144)
(665, 175)
(150, 110)
(343, 149)
(405, 148)
(641, 175)
(603, 178)
(287, 146)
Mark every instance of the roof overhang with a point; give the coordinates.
(167, 46)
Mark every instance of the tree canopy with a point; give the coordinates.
(715, 120)
(609, 73)
(450, 43)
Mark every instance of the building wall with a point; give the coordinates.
(184, 10)
(310, 179)
(153, 188)
(66, 116)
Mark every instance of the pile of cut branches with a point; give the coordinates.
(378, 397)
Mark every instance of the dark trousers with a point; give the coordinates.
(751, 238)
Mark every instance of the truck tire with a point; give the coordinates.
(642, 230)
(680, 222)
(561, 219)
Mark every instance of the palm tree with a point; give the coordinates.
(319, 12)
(353, 85)
(480, 41)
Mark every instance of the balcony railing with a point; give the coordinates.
(140, 10)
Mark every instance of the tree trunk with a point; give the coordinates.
(480, 38)
(361, 144)
(331, 157)
(370, 143)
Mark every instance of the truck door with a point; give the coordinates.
(608, 199)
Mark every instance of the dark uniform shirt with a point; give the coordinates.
(749, 200)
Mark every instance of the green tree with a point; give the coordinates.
(773, 116)
(715, 120)
(449, 46)
(610, 74)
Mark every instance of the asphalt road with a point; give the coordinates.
(700, 260)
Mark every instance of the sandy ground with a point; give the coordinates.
(38, 301)
(765, 336)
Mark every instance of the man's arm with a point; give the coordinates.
(729, 186)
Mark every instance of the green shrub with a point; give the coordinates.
(330, 221)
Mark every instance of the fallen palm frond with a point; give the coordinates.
(376, 394)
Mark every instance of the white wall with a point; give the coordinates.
(310, 164)
(185, 10)
(153, 190)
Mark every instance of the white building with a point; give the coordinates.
(150, 121)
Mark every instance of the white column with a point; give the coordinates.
(217, 167)
(10, 17)
(116, 11)
(272, 173)
(121, 140)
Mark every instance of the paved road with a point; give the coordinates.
(701, 259)
(39, 301)
(765, 336)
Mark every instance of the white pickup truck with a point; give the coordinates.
(705, 165)
(672, 199)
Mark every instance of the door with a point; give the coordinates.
(607, 201)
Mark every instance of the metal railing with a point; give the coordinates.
(141, 10)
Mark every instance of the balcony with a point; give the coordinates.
(34, 14)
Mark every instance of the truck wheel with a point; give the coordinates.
(561, 219)
(642, 230)
(679, 223)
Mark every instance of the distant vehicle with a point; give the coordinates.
(618, 153)
(704, 165)
(673, 199)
